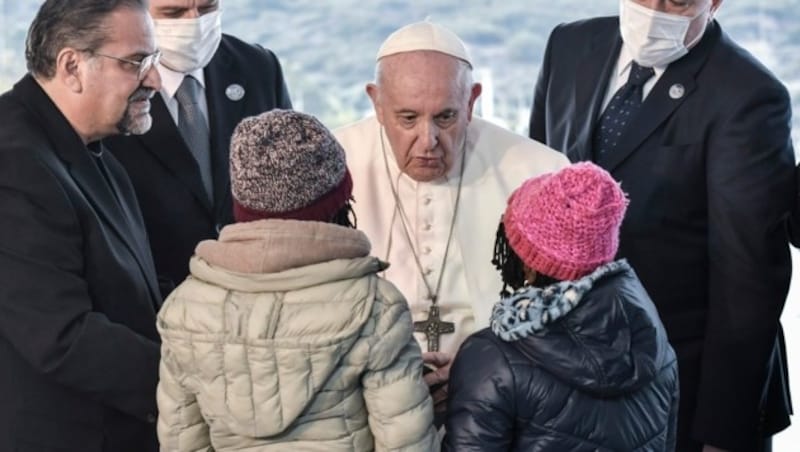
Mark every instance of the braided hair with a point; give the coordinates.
(345, 216)
(511, 267)
(512, 272)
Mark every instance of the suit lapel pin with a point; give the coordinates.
(676, 91)
(234, 92)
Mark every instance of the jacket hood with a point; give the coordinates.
(266, 331)
(269, 246)
(600, 333)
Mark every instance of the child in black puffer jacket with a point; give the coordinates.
(576, 358)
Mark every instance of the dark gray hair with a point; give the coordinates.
(79, 24)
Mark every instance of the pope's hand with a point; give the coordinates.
(437, 378)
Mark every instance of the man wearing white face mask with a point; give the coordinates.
(210, 81)
(698, 133)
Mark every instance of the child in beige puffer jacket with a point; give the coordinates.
(284, 337)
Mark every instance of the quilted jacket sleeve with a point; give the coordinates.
(399, 406)
(672, 429)
(480, 406)
(181, 426)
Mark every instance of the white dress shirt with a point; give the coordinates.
(170, 81)
(620, 76)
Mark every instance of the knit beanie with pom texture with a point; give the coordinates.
(287, 164)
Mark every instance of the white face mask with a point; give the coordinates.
(655, 38)
(188, 44)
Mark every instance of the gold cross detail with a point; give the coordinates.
(433, 327)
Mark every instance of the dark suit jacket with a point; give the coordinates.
(710, 179)
(165, 175)
(79, 349)
(794, 230)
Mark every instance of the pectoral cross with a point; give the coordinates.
(433, 327)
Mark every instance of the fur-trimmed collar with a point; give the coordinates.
(530, 309)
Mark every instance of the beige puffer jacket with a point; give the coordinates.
(284, 338)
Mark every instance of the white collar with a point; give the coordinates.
(171, 80)
(625, 60)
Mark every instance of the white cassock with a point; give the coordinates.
(498, 161)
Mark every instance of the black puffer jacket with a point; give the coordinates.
(577, 366)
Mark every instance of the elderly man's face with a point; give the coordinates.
(425, 104)
(118, 100)
(182, 9)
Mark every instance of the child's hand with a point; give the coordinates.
(707, 448)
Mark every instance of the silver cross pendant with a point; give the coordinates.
(433, 327)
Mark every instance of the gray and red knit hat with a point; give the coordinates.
(286, 164)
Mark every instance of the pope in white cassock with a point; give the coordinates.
(431, 181)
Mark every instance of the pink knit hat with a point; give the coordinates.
(566, 224)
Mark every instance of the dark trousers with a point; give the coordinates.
(688, 369)
(697, 447)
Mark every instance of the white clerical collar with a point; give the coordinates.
(171, 80)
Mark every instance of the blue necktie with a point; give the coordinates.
(620, 111)
(193, 128)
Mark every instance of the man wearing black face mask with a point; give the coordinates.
(698, 133)
(180, 168)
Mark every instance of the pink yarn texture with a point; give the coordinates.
(566, 224)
